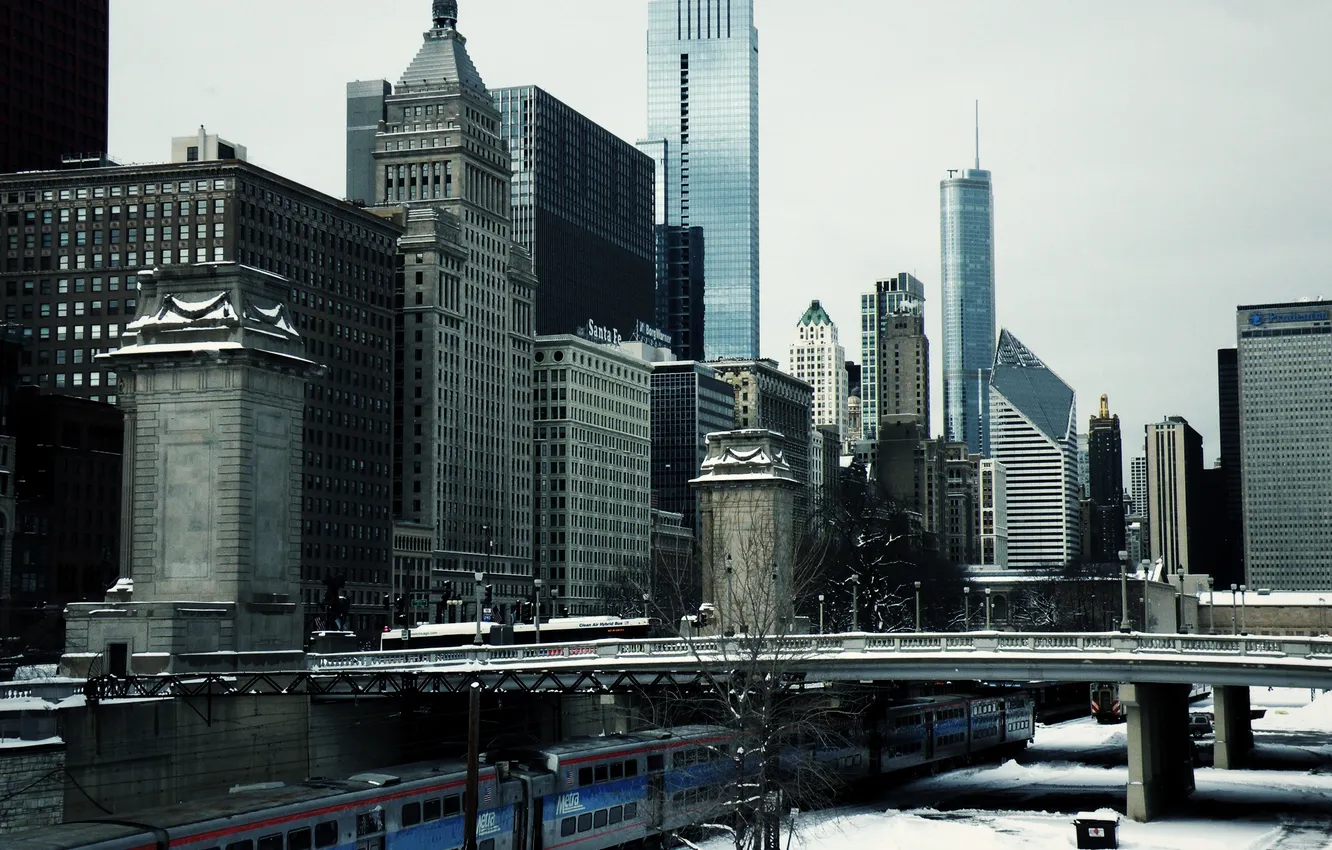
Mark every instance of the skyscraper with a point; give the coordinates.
(464, 324)
(966, 239)
(582, 207)
(689, 402)
(1285, 381)
(895, 353)
(766, 397)
(681, 289)
(54, 101)
(1105, 485)
(1174, 495)
(1231, 570)
(1034, 416)
(702, 130)
(1138, 485)
(817, 359)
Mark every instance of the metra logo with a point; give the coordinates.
(487, 822)
(568, 803)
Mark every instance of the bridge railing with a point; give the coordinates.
(798, 647)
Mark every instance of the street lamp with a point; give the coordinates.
(855, 602)
(987, 610)
(1243, 626)
(730, 597)
(536, 609)
(1125, 624)
(1180, 625)
(966, 607)
(917, 606)
(1146, 612)
(646, 598)
(480, 577)
(821, 613)
(1234, 625)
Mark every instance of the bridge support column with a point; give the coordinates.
(1160, 753)
(1233, 727)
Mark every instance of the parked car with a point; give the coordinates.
(1199, 724)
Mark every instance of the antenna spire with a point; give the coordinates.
(978, 135)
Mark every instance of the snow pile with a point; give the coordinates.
(1308, 717)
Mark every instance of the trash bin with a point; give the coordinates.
(1096, 830)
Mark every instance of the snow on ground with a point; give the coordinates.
(1081, 764)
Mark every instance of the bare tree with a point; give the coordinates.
(784, 731)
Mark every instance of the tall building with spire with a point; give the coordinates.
(1035, 436)
(966, 240)
(817, 359)
(464, 320)
(895, 354)
(703, 133)
(1105, 484)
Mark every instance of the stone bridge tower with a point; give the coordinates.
(212, 381)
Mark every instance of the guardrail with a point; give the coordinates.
(812, 648)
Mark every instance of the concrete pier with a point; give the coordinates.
(1233, 727)
(1160, 752)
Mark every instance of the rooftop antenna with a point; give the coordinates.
(978, 135)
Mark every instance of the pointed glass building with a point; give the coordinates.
(1033, 433)
(703, 134)
(966, 240)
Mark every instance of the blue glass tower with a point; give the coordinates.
(703, 133)
(966, 239)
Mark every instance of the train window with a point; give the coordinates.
(326, 833)
(369, 823)
(585, 822)
(411, 814)
(568, 826)
(299, 839)
(602, 773)
(488, 844)
(452, 805)
(247, 844)
(584, 776)
(616, 814)
(431, 809)
(599, 818)
(631, 768)
(271, 842)
(630, 811)
(656, 762)
(617, 770)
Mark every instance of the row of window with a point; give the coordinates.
(607, 772)
(598, 819)
(324, 835)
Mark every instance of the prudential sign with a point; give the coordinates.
(1260, 319)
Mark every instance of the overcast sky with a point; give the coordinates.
(1154, 164)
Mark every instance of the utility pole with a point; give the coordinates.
(855, 602)
(471, 794)
(1125, 624)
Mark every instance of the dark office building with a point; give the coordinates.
(53, 103)
(689, 402)
(680, 288)
(1105, 465)
(74, 240)
(66, 503)
(852, 379)
(1230, 568)
(582, 205)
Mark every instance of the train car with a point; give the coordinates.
(558, 630)
(1019, 726)
(1105, 705)
(405, 808)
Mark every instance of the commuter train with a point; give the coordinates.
(557, 630)
(1106, 707)
(587, 794)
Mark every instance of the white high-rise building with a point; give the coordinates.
(1174, 506)
(1138, 485)
(1285, 383)
(819, 361)
(1033, 433)
(992, 512)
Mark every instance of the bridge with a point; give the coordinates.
(1156, 671)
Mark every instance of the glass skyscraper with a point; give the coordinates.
(966, 239)
(703, 133)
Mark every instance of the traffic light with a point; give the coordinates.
(489, 595)
(400, 610)
(388, 603)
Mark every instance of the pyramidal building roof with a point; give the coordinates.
(815, 315)
(442, 59)
(1032, 387)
